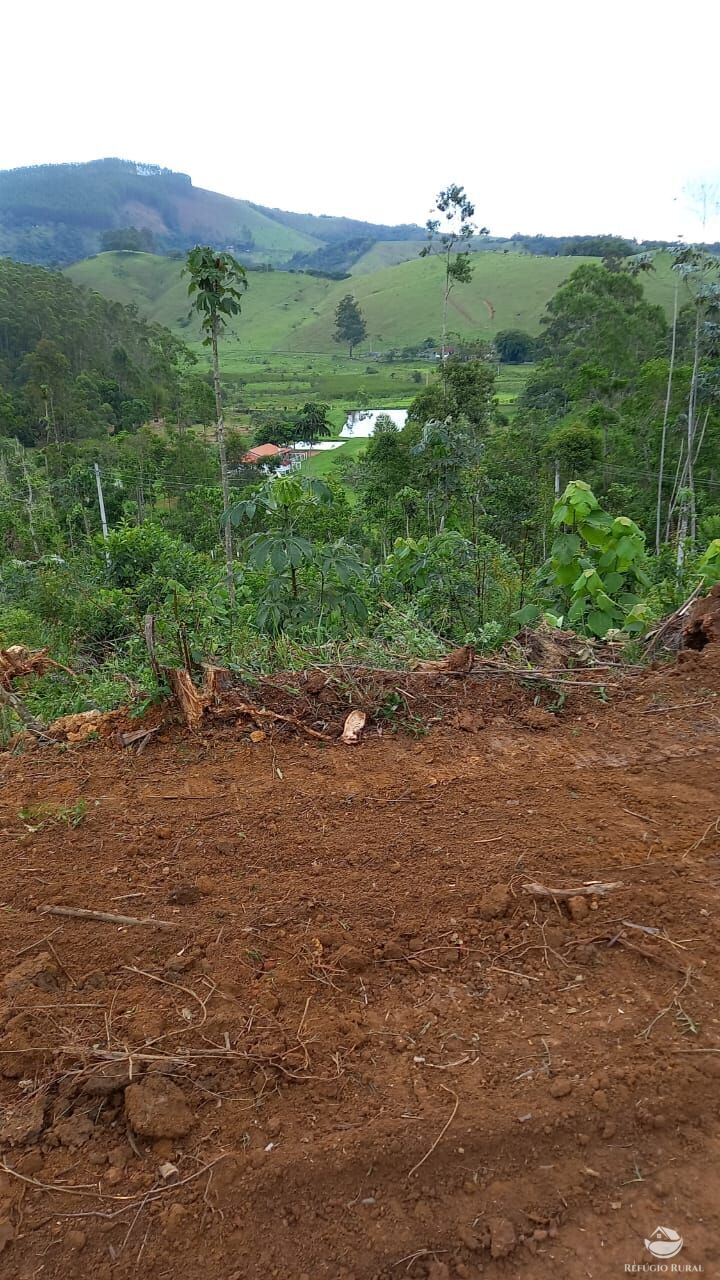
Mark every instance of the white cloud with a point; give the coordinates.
(558, 117)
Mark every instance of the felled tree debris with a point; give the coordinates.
(197, 701)
(457, 662)
(669, 634)
(551, 647)
(702, 625)
(17, 662)
(193, 702)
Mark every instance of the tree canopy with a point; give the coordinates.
(350, 326)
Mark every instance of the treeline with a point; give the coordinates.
(595, 246)
(74, 364)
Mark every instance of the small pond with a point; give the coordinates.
(360, 424)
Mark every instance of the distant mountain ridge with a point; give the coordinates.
(53, 215)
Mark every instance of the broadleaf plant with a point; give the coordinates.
(595, 577)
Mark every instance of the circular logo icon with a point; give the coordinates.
(664, 1243)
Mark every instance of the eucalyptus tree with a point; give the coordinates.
(449, 235)
(700, 273)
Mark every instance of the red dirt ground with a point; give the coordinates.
(362, 1050)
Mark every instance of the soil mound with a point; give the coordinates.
(703, 624)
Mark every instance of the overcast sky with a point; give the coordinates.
(558, 116)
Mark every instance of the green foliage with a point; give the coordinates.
(58, 213)
(350, 326)
(514, 346)
(73, 364)
(599, 247)
(467, 390)
(102, 618)
(296, 313)
(217, 283)
(146, 561)
(312, 422)
(456, 586)
(20, 626)
(596, 571)
(303, 581)
(709, 564)
(422, 538)
(128, 239)
(576, 448)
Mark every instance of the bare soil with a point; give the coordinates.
(360, 1049)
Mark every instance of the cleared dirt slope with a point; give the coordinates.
(363, 1049)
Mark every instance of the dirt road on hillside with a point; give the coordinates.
(361, 1049)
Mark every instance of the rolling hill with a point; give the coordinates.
(52, 215)
(292, 312)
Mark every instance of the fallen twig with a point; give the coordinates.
(593, 887)
(260, 713)
(81, 913)
(619, 940)
(712, 826)
(140, 736)
(31, 724)
(680, 706)
(38, 943)
(442, 1132)
(127, 1201)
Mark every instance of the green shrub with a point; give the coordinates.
(19, 626)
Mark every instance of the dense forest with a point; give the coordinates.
(595, 505)
(74, 364)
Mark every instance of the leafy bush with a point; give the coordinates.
(101, 618)
(302, 581)
(709, 564)
(457, 585)
(149, 551)
(595, 575)
(19, 626)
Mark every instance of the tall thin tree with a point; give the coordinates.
(450, 235)
(217, 284)
(701, 272)
(666, 415)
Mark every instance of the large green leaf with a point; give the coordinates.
(565, 548)
(613, 582)
(599, 622)
(279, 556)
(527, 615)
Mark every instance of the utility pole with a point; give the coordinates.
(101, 504)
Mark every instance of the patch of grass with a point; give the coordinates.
(326, 463)
(37, 816)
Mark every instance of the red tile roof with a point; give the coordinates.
(262, 451)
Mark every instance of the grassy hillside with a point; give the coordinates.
(294, 313)
(388, 253)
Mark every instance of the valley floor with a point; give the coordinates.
(363, 1050)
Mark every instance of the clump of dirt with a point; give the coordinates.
(441, 1004)
(703, 624)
